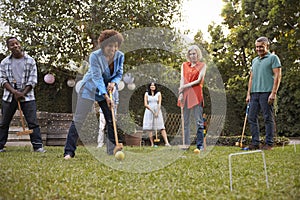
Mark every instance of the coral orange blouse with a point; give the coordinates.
(192, 95)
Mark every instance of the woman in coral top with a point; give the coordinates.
(191, 95)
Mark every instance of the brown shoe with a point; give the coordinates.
(267, 147)
(253, 147)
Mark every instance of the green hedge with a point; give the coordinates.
(231, 141)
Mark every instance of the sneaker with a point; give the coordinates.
(40, 150)
(100, 145)
(253, 147)
(67, 157)
(167, 145)
(2, 150)
(267, 147)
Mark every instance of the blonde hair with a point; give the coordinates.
(197, 49)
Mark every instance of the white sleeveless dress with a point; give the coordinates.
(149, 122)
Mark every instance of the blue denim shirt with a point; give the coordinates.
(95, 81)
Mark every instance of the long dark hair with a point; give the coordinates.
(149, 90)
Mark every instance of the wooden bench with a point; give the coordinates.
(54, 128)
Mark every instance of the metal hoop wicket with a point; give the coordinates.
(248, 152)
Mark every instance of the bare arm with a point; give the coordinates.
(146, 103)
(196, 82)
(249, 88)
(158, 104)
(18, 94)
(277, 80)
(180, 90)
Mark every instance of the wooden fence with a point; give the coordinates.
(54, 128)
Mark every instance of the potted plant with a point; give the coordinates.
(126, 123)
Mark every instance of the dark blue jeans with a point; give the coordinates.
(83, 107)
(259, 102)
(29, 111)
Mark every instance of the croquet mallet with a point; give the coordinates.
(156, 140)
(245, 122)
(119, 146)
(183, 146)
(204, 130)
(24, 132)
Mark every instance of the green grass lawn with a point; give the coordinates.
(148, 173)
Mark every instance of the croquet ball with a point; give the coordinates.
(120, 155)
(237, 144)
(196, 151)
(155, 146)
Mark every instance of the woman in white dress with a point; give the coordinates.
(153, 119)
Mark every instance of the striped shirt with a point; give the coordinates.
(29, 77)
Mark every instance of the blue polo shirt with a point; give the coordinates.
(262, 72)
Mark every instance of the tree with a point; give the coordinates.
(60, 34)
(247, 20)
(60, 31)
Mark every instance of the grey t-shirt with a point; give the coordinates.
(18, 70)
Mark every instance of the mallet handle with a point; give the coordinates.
(182, 126)
(21, 116)
(245, 121)
(114, 120)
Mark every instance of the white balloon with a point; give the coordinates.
(71, 82)
(78, 86)
(121, 85)
(131, 86)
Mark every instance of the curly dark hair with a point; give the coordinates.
(109, 36)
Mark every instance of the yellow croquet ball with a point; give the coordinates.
(237, 144)
(120, 155)
(196, 151)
